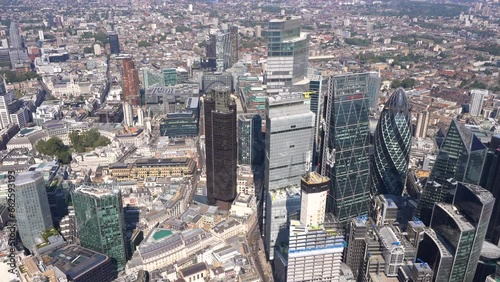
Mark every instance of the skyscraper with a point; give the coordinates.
(477, 100)
(422, 124)
(114, 43)
(458, 235)
(245, 138)
(130, 86)
(128, 116)
(374, 88)
(221, 147)
(346, 145)
(289, 128)
(355, 254)
(392, 145)
(460, 158)
(234, 36)
(476, 205)
(432, 251)
(16, 41)
(314, 250)
(222, 42)
(32, 208)
(491, 181)
(287, 50)
(100, 222)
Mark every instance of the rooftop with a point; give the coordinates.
(314, 178)
(96, 192)
(27, 177)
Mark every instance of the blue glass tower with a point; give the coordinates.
(392, 145)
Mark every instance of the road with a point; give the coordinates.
(257, 252)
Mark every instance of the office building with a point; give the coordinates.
(152, 78)
(346, 145)
(114, 43)
(130, 87)
(222, 41)
(458, 235)
(128, 115)
(358, 229)
(169, 77)
(179, 125)
(392, 144)
(477, 100)
(16, 40)
(287, 59)
(210, 81)
(314, 189)
(100, 222)
(491, 181)
(392, 251)
(433, 251)
(18, 57)
(289, 127)
(6, 102)
(374, 81)
(32, 208)
(80, 264)
(476, 205)
(422, 124)
(234, 37)
(460, 158)
(249, 129)
(221, 147)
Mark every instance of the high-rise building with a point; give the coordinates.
(169, 76)
(222, 41)
(152, 78)
(32, 208)
(314, 189)
(374, 81)
(346, 145)
(212, 80)
(114, 43)
(128, 115)
(287, 60)
(100, 222)
(5, 109)
(16, 41)
(460, 158)
(130, 86)
(491, 181)
(289, 127)
(234, 36)
(477, 100)
(355, 254)
(422, 124)
(476, 205)
(41, 36)
(392, 144)
(245, 138)
(221, 147)
(433, 251)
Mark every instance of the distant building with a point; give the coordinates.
(358, 230)
(422, 124)
(100, 222)
(249, 129)
(114, 43)
(130, 82)
(32, 208)
(217, 79)
(477, 100)
(128, 116)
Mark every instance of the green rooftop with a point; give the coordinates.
(161, 234)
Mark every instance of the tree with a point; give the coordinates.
(144, 44)
(408, 83)
(54, 147)
(88, 50)
(396, 84)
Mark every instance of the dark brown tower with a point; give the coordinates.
(233, 31)
(221, 147)
(130, 82)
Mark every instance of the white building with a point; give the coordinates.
(477, 100)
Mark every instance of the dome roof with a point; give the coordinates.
(398, 100)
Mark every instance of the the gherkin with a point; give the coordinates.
(392, 143)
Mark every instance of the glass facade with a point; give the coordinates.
(100, 222)
(392, 146)
(491, 181)
(346, 145)
(169, 77)
(245, 139)
(461, 158)
(114, 43)
(183, 124)
(432, 251)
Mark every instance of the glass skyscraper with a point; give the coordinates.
(392, 146)
(287, 50)
(114, 43)
(460, 158)
(100, 222)
(346, 145)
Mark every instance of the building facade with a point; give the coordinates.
(477, 101)
(392, 144)
(100, 222)
(114, 43)
(130, 82)
(221, 147)
(32, 208)
(346, 145)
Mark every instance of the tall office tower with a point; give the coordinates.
(152, 78)
(460, 158)
(477, 100)
(422, 124)
(314, 188)
(32, 208)
(169, 76)
(245, 138)
(358, 228)
(41, 36)
(235, 47)
(392, 144)
(289, 127)
(222, 41)
(221, 147)
(128, 115)
(374, 81)
(287, 60)
(491, 181)
(140, 117)
(458, 235)
(476, 205)
(5, 109)
(432, 251)
(130, 87)
(114, 43)
(346, 145)
(16, 41)
(393, 251)
(100, 222)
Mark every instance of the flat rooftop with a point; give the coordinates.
(314, 178)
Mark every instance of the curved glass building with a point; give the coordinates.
(392, 146)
